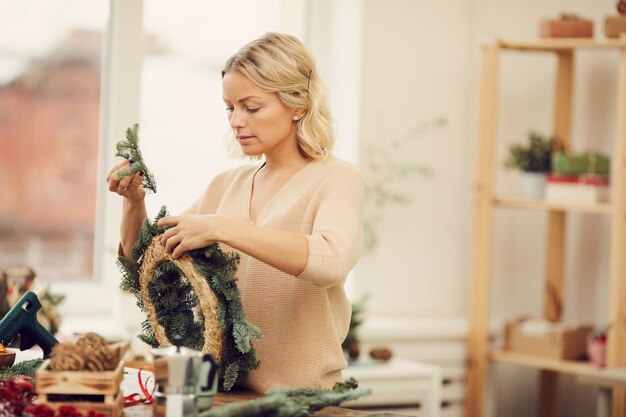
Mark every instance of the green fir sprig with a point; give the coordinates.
(129, 149)
(299, 402)
(175, 303)
(28, 368)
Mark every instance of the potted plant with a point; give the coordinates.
(351, 345)
(534, 160)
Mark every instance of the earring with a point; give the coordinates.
(295, 118)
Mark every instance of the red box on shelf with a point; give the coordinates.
(577, 188)
(566, 27)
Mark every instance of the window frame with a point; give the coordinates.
(119, 108)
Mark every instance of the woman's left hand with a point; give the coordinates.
(188, 232)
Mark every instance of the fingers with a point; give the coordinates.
(116, 168)
(168, 221)
(172, 244)
(168, 234)
(136, 181)
(179, 250)
(129, 183)
(172, 238)
(116, 185)
(124, 183)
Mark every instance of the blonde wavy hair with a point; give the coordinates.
(282, 64)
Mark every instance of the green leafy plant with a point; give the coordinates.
(534, 157)
(388, 166)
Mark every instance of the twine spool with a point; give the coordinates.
(154, 256)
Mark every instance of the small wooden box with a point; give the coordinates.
(614, 26)
(98, 391)
(566, 28)
(553, 340)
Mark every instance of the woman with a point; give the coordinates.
(295, 218)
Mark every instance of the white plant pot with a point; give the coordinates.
(533, 184)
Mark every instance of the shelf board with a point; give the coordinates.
(540, 204)
(556, 44)
(538, 362)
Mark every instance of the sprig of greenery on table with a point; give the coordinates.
(299, 402)
(27, 368)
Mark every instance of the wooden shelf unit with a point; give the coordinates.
(561, 366)
(485, 201)
(537, 204)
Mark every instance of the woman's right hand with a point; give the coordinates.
(128, 187)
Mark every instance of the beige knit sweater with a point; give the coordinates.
(303, 319)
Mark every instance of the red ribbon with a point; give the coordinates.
(136, 398)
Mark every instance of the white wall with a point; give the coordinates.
(415, 56)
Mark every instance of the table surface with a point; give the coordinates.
(233, 397)
(130, 385)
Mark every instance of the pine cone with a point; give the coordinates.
(93, 340)
(65, 357)
(90, 353)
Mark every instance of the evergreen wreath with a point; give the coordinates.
(203, 307)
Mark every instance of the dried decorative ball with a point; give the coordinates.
(381, 353)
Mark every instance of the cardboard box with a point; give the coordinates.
(614, 26)
(546, 339)
(566, 28)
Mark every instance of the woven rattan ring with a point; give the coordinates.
(154, 255)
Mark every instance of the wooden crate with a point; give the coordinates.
(112, 406)
(103, 388)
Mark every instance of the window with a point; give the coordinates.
(173, 90)
(182, 117)
(49, 127)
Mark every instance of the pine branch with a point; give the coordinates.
(129, 149)
(23, 368)
(130, 276)
(299, 402)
